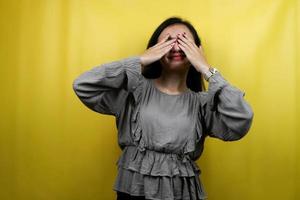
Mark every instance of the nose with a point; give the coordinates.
(176, 47)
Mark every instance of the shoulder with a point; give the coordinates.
(140, 88)
(200, 97)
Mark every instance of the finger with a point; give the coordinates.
(186, 46)
(183, 43)
(161, 42)
(191, 40)
(160, 45)
(187, 40)
(164, 39)
(167, 43)
(183, 48)
(201, 48)
(167, 48)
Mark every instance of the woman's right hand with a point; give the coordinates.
(157, 51)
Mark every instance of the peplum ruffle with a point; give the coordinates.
(158, 175)
(159, 187)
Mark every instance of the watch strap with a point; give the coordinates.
(211, 72)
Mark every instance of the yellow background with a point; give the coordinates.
(54, 148)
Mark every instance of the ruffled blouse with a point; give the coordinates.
(162, 135)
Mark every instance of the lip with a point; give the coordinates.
(177, 56)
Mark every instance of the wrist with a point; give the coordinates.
(209, 73)
(142, 60)
(204, 69)
(201, 66)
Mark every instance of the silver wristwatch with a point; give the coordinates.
(211, 71)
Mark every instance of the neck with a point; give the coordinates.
(173, 81)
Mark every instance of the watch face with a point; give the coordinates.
(213, 70)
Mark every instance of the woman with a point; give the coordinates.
(163, 114)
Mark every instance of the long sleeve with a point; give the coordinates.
(105, 87)
(224, 111)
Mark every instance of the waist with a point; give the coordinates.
(158, 149)
(178, 154)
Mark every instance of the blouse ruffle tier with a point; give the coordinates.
(116, 88)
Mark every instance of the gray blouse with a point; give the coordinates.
(162, 135)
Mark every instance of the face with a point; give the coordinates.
(175, 59)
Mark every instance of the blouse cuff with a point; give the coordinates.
(216, 83)
(133, 66)
(133, 63)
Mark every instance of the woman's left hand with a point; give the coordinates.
(193, 53)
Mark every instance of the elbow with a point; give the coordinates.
(75, 85)
(79, 92)
(242, 127)
(82, 94)
(247, 122)
(77, 88)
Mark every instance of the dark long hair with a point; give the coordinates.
(194, 79)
